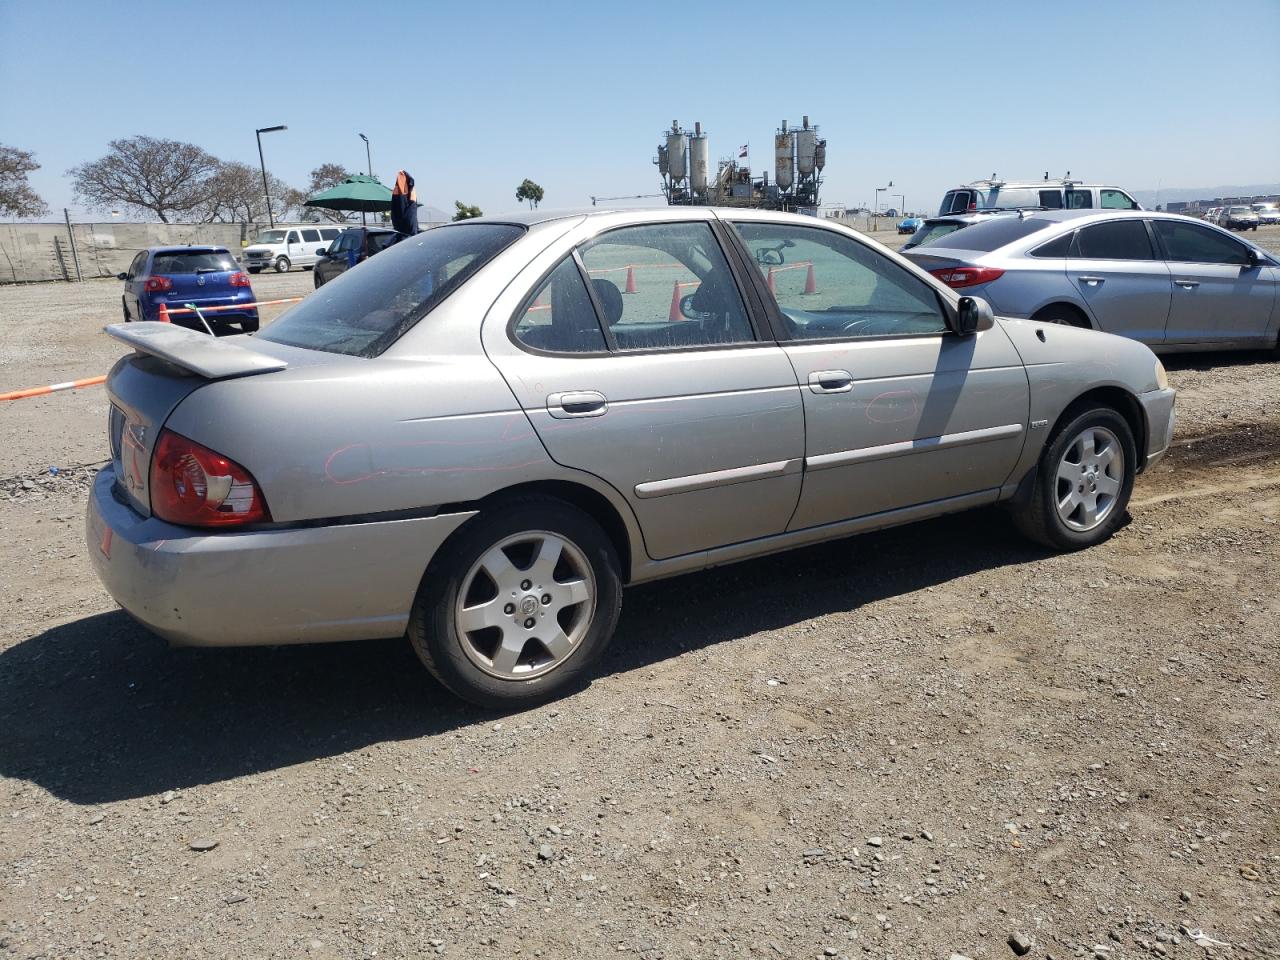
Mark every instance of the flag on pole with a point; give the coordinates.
(742, 151)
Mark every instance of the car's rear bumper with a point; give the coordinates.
(347, 581)
(1158, 408)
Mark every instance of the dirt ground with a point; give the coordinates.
(905, 745)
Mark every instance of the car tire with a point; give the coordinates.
(554, 619)
(249, 326)
(282, 265)
(1099, 441)
(316, 278)
(1062, 315)
(254, 270)
(124, 307)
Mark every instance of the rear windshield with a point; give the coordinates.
(171, 263)
(365, 310)
(989, 235)
(931, 233)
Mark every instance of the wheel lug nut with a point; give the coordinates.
(528, 624)
(525, 584)
(509, 609)
(546, 598)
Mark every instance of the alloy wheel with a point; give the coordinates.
(525, 606)
(1089, 479)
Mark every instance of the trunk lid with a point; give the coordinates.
(145, 387)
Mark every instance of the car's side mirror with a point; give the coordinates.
(122, 276)
(973, 315)
(1253, 258)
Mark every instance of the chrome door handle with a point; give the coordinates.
(831, 381)
(1187, 284)
(575, 404)
(1093, 281)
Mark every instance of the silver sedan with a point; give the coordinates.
(1172, 282)
(477, 438)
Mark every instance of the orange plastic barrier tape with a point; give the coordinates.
(52, 388)
(233, 306)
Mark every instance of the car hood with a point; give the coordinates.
(262, 247)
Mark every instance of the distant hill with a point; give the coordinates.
(1149, 198)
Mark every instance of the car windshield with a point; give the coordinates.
(364, 311)
(1239, 210)
(271, 236)
(930, 232)
(991, 234)
(167, 264)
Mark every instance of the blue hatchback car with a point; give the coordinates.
(175, 276)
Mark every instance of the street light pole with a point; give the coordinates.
(880, 190)
(266, 191)
(368, 155)
(902, 204)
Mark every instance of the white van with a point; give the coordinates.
(285, 247)
(1021, 194)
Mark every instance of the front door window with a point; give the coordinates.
(831, 286)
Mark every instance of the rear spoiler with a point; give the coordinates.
(200, 353)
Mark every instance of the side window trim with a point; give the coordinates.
(527, 301)
(780, 331)
(762, 324)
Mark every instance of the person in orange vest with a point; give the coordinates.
(404, 205)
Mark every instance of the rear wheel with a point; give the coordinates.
(1083, 481)
(282, 264)
(249, 326)
(1061, 313)
(519, 604)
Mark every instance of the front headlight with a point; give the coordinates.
(1162, 378)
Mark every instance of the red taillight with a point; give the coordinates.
(158, 284)
(972, 207)
(239, 279)
(957, 277)
(193, 486)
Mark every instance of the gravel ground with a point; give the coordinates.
(927, 741)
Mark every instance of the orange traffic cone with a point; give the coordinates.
(773, 284)
(631, 280)
(674, 313)
(810, 282)
(164, 314)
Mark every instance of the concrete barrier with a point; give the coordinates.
(42, 251)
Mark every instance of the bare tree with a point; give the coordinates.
(17, 199)
(235, 196)
(163, 177)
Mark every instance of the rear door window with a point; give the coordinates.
(685, 293)
(1079, 200)
(1060, 247)
(365, 311)
(330, 233)
(1116, 240)
(956, 201)
(311, 236)
(559, 317)
(1051, 199)
(1191, 243)
(168, 264)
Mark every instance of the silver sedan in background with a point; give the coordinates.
(1172, 282)
(478, 437)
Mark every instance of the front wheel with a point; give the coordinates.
(519, 604)
(1083, 481)
(282, 265)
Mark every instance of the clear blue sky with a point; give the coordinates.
(473, 97)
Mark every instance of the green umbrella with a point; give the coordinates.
(358, 193)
